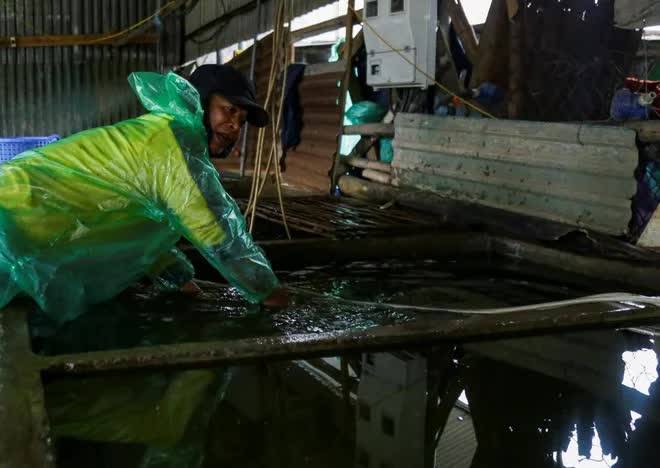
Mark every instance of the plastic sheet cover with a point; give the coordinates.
(86, 217)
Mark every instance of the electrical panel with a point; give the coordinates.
(409, 28)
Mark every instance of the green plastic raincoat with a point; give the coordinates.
(86, 217)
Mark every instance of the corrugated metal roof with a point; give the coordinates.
(634, 14)
(581, 175)
(458, 442)
(239, 27)
(62, 90)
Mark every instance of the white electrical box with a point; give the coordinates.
(409, 27)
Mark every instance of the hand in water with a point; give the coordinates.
(278, 298)
(191, 289)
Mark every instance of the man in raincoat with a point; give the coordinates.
(84, 218)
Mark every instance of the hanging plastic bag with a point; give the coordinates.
(335, 52)
(366, 112)
(84, 218)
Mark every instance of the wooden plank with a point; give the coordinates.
(319, 28)
(607, 219)
(581, 134)
(366, 164)
(323, 68)
(493, 59)
(22, 405)
(464, 30)
(648, 131)
(576, 174)
(524, 178)
(596, 160)
(425, 330)
(373, 129)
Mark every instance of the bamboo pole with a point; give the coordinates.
(366, 164)
(377, 176)
(348, 49)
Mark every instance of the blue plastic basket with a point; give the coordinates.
(11, 147)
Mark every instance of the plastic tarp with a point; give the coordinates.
(86, 217)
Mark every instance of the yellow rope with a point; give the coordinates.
(132, 27)
(280, 45)
(394, 49)
(250, 212)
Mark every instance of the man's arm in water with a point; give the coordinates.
(213, 223)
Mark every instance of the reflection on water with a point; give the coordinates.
(596, 458)
(585, 399)
(641, 369)
(572, 400)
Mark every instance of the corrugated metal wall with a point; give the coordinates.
(63, 90)
(580, 175)
(458, 442)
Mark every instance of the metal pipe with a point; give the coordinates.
(253, 61)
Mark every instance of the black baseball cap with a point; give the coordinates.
(233, 86)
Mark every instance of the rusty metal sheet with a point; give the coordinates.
(580, 175)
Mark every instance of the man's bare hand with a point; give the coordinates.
(191, 289)
(278, 298)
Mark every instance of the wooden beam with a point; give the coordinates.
(464, 30)
(15, 42)
(648, 131)
(320, 28)
(492, 64)
(22, 403)
(429, 329)
(348, 55)
(373, 129)
(366, 164)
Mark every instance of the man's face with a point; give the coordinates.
(225, 121)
